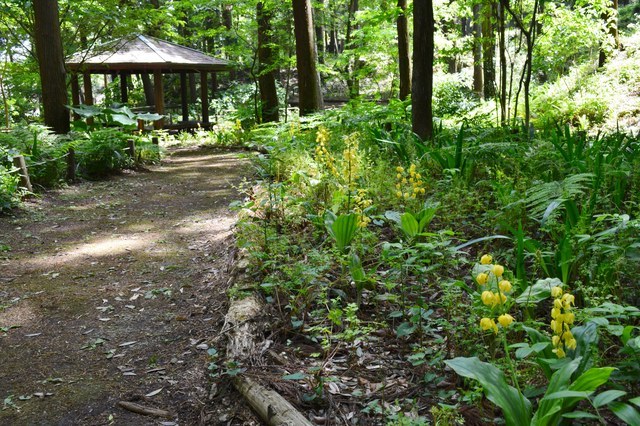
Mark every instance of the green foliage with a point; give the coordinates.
(101, 153)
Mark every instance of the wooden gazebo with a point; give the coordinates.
(139, 54)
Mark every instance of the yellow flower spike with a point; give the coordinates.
(399, 194)
(505, 286)
(500, 299)
(505, 320)
(399, 169)
(487, 297)
(418, 176)
(398, 176)
(567, 335)
(555, 340)
(486, 259)
(404, 181)
(557, 304)
(556, 291)
(482, 278)
(571, 344)
(555, 313)
(406, 195)
(498, 270)
(422, 191)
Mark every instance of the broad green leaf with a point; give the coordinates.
(409, 224)
(541, 290)
(635, 401)
(550, 409)
(606, 397)
(625, 412)
(591, 379)
(568, 394)
(405, 329)
(425, 216)
(343, 229)
(149, 116)
(123, 119)
(580, 415)
(516, 408)
(295, 376)
(355, 268)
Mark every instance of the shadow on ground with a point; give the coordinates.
(115, 290)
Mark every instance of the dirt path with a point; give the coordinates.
(114, 290)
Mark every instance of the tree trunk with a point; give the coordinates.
(147, 85)
(503, 64)
(610, 18)
(488, 50)
(477, 51)
(422, 86)
(306, 58)
(51, 62)
(404, 56)
(266, 77)
(353, 81)
(227, 21)
(318, 14)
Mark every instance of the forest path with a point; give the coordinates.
(114, 291)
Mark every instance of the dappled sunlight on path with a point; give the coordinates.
(106, 281)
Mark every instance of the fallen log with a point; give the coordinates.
(241, 322)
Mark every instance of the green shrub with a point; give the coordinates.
(102, 153)
(9, 195)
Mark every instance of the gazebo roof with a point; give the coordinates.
(139, 53)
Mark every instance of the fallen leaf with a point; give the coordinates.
(155, 392)
(128, 343)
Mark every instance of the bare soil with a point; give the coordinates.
(114, 291)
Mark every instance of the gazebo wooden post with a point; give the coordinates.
(88, 92)
(124, 95)
(183, 96)
(158, 94)
(75, 93)
(204, 97)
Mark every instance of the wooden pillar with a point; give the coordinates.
(88, 90)
(158, 94)
(204, 97)
(124, 95)
(75, 93)
(183, 96)
(88, 93)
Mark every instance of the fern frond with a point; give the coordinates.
(547, 198)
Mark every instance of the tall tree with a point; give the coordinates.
(488, 49)
(354, 65)
(306, 58)
(422, 84)
(610, 18)
(51, 62)
(404, 57)
(266, 73)
(318, 18)
(477, 51)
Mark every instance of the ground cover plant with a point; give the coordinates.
(361, 238)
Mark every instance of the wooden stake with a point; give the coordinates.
(19, 162)
(155, 140)
(131, 150)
